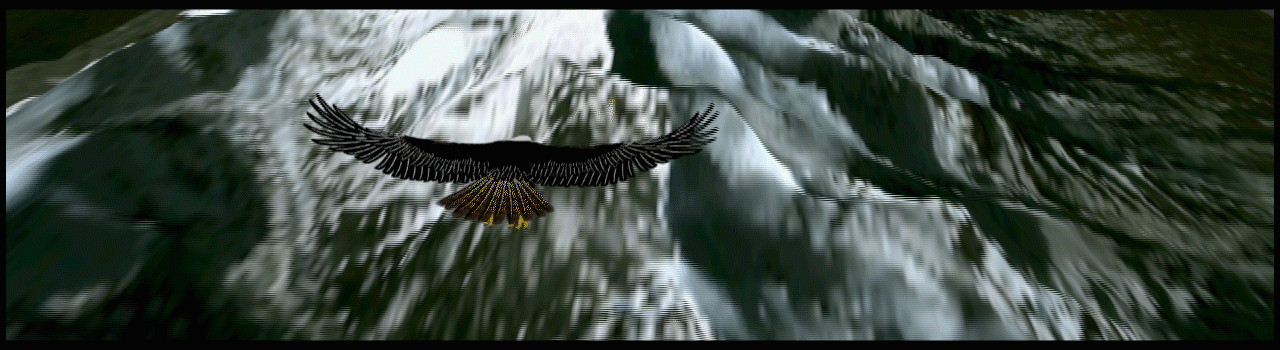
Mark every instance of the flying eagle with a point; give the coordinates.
(506, 170)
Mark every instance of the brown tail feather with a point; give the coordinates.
(498, 198)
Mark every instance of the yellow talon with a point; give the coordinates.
(521, 224)
(490, 222)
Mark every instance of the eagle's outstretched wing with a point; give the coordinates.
(428, 160)
(608, 164)
(402, 157)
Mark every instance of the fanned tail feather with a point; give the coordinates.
(496, 198)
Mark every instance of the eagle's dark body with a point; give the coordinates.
(506, 170)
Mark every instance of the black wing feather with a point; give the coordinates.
(608, 164)
(402, 156)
